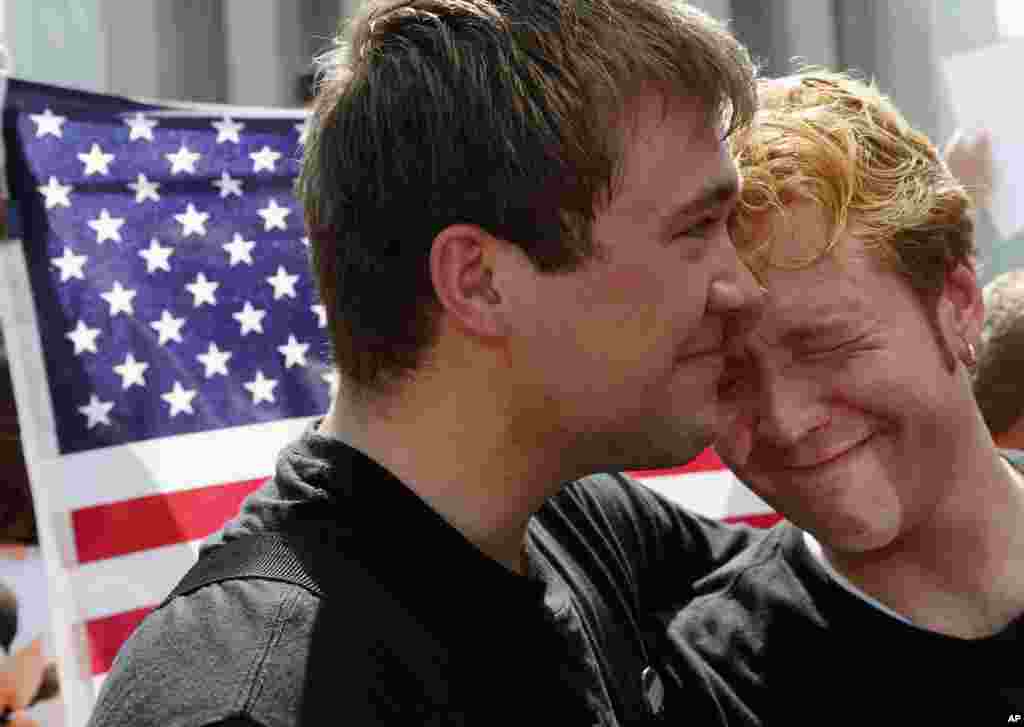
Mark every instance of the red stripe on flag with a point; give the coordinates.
(758, 520)
(706, 461)
(105, 636)
(128, 526)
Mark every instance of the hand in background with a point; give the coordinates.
(969, 157)
(20, 678)
(19, 719)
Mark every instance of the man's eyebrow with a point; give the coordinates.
(827, 325)
(710, 195)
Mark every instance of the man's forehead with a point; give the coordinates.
(798, 232)
(673, 163)
(795, 314)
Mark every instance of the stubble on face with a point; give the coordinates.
(621, 344)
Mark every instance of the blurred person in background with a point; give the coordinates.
(17, 519)
(28, 673)
(305, 89)
(969, 158)
(999, 376)
(968, 154)
(27, 676)
(901, 566)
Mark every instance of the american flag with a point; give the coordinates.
(165, 341)
(169, 271)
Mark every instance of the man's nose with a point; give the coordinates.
(787, 411)
(740, 298)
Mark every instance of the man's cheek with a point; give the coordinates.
(735, 441)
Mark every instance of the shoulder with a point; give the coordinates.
(599, 497)
(615, 502)
(616, 507)
(749, 621)
(753, 607)
(270, 651)
(763, 578)
(656, 547)
(209, 656)
(606, 516)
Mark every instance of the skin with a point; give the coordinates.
(537, 379)
(858, 422)
(20, 678)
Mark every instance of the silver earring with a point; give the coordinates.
(971, 356)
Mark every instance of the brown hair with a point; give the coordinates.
(499, 113)
(999, 376)
(837, 141)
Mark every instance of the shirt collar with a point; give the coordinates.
(396, 528)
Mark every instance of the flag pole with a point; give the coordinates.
(18, 320)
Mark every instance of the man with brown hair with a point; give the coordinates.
(518, 214)
(999, 375)
(27, 673)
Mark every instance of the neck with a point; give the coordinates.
(961, 570)
(457, 448)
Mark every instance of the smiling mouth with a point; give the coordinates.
(830, 459)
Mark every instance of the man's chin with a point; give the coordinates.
(734, 452)
(673, 444)
(684, 449)
(657, 465)
(852, 541)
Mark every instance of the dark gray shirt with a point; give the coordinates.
(474, 643)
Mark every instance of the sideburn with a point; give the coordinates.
(930, 305)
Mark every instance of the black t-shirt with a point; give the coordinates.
(774, 640)
(473, 644)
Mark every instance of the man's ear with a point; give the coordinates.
(462, 270)
(961, 312)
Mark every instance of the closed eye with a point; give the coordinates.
(704, 227)
(831, 350)
(813, 353)
(731, 386)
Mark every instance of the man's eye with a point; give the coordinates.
(736, 378)
(730, 386)
(702, 228)
(828, 351)
(824, 352)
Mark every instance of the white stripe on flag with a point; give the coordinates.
(141, 580)
(170, 464)
(715, 494)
